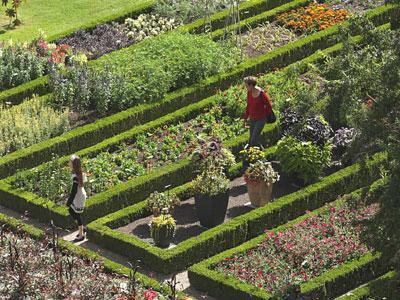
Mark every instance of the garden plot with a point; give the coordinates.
(188, 224)
(302, 257)
(39, 264)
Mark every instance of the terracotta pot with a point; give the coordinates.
(260, 193)
(211, 210)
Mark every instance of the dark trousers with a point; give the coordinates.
(77, 217)
(256, 127)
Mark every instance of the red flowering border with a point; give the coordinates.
(347, 276)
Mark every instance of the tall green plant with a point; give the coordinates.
(12, 12)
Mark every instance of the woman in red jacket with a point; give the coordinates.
(258, 108)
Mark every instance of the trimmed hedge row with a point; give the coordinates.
(91, 134)
(18, 226)
(247, 9)
(379, 287)
(327, 286)
(234, 232)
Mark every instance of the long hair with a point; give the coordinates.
(77, 168)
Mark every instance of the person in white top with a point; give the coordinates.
(77, 197)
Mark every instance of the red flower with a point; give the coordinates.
(150, 294)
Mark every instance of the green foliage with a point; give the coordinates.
(19, 64)
(28, 123)
(211, 182)
(303, 159)
(186, 11)
(261, 171)
(13, 11)
(162, 226)
(159, 202)
(49, 181)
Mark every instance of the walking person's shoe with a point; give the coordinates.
(78, 239)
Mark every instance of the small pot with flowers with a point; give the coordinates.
(211, 190)
(162, 229)
(158, 202)
(251, 155)
(260, 177)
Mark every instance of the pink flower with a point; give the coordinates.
(150, 294)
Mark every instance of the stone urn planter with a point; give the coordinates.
(260, 178)
(211, 210)
(260, 193)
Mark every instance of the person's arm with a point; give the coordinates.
(74, 190)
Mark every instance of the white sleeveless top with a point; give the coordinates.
(78, 204)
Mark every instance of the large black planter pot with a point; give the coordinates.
(164, 238)
(211, 211)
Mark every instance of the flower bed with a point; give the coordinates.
(319, 255)
(312, 18)
(37, 264)
(302, 252)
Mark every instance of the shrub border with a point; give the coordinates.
(326, 286)
(33, 232)
(234, 232)
(103, 128)
(365, 290)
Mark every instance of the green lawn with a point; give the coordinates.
(59, 17)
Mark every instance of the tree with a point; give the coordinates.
(12, 12)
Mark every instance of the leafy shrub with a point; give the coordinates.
(211, 182)
(311, 18)
(82, 88)
(159, 202)
(18, 64)
(212, 155)
(302, 159)
(147, 25)
(314, 128)
(29, 123)
(186, 11)
(103, 39)
(261, 171)
(342, 139)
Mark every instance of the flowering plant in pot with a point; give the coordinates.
(211, 197)
(251, 155)
(162, 230)
(212, 154)
(158, 202)
(260, 177)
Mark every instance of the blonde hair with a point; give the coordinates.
(251, 80)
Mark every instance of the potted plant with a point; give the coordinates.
(158, 202)
(162, 229)
(260, 177)
(211, 197)
(213, 155)
(251, 155)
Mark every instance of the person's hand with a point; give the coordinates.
(246, 125)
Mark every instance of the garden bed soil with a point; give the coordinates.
(187, 224)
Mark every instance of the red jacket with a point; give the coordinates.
(257, 108)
